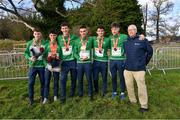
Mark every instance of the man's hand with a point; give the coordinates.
(141, 37)
(32, 59)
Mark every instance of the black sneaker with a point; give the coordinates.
(103, 95)
(71, 95)
(143, 110)
(63, 101)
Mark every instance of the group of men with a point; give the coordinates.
(128, 56)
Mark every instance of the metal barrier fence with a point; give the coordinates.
(13, 64)
(19, 47)
(167, 58)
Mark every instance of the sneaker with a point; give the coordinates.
(55, 98)
(103, 95)
(143, 110)
(114, 94)
(63, 101)
(122, 96)
(45, 101)
(71, 95)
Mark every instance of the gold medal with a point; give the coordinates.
(83, 47)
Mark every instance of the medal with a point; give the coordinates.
(115, 49)
(83, 47)
(67, 49)
(66, 44)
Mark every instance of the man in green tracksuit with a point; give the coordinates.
(83, 54)
(34, 53)
(53, 57)
(101, 45)
(117, 58)
(67, 43)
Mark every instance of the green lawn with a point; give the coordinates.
(163, 90)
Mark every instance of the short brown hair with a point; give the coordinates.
(83, 26)
(65, 24)
(101, 27)
(114, 24)
(36, 29)
(53, 31)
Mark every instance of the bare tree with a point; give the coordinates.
(162, 7)
(16, 11)
(145, 17)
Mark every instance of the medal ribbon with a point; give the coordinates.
(84, 42)
(100, 43)
(115, 42)
(66, 44)
(53, 48)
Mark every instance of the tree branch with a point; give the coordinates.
(21, 21)
(78, 1)
(14, 7)
(61, 14)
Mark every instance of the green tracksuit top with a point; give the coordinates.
(40, 62)
(118, 52)
(67, 54)
(80, 51)
(98, 53)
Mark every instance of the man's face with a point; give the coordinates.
(131, 32)
(115, 30)
(65, 30)
(37, 35)
(100, 32)
(52, 36)
(83, 32)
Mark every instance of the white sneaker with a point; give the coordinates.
(55, 98)
(45, 100)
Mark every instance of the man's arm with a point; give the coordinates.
(27, 52)
(149, 52)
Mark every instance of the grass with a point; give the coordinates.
(163, 91)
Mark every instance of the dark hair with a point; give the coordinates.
(83, 26)
(53, 31)
(64, 24)
(101, 27)
(114, 24)
(36, 29)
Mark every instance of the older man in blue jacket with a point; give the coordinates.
(138, 54)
